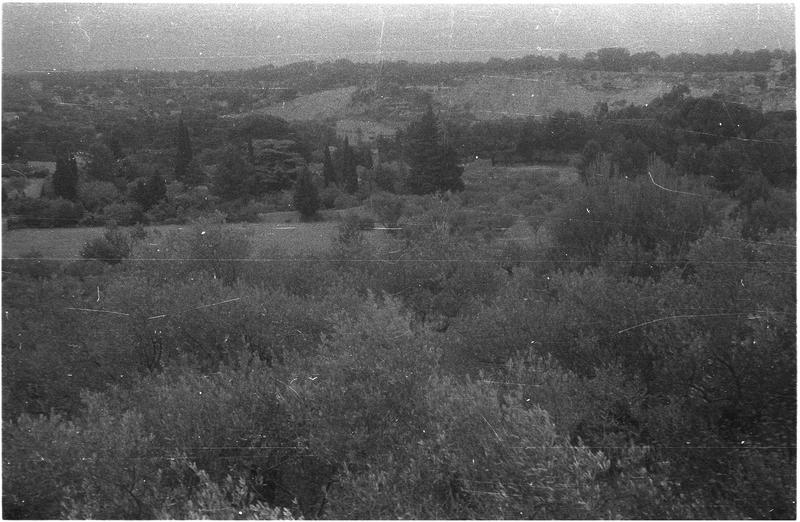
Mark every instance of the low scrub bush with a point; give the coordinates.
(116, 463)
(301, 273)
(243, 211)
(215, 248)
(766, 215)
(344, 201)
(486, 225)
(410, 444)
(650, 216)
(351, 227)
(387, 207)
(31, 264)
(123, 214)
(42, 213)
(328, 196)
(112, 248)
(97, 194)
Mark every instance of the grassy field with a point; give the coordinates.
(481, 173)
(279, 231)
(66, 243)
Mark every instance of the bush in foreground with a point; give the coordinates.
(112, 248)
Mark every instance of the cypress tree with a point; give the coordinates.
(328, 171)
(184, 154)
(367, 158)
(306, 197)
(65, 178)
(434, 165)
(349, 169)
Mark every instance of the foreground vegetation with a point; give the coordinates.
(608, 334)
(602, 349)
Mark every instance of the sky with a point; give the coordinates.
(192, 36)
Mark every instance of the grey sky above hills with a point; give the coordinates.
(72, 36)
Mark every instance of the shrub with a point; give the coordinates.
(468, 223)
(42, 213)
(412, 445)
(766, 215)
(344, 201)
(84, 268)
(112, 248)
(96, 194)
(301, 274)
(388, 208)
(123, 214)
(99, 461)
(31, 265)
(200, 498)
(650, 216)
(161, 212)
(217, 248)
(138, 232)
(65, 213)
(194, 202)
(386, 178)
(115, 463)
(329, 195)
(350, 230)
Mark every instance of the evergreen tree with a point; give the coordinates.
(234, 176)
(101, 162)
(306, 197)
(148, 192)
(184, 154)
(434, 165)
(194, 174)
(384, 178)
(328, 171)
(366, 156)
(349, 174)
(65, 178)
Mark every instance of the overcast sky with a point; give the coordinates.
(227, 36)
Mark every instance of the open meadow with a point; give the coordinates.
(66, 243)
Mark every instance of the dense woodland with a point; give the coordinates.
(508, 343)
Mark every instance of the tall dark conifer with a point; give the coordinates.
(65, 178)
(434, 165)
(328, 171)
(306, 197)
(184, 154)
(349, 173)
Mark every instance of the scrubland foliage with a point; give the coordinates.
(540, 349)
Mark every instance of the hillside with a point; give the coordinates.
(320, 105)
(492, 97)
(489, 97)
